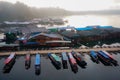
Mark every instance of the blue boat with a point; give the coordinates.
(113, 61)
(104, 58)
(94, 56)
(37, 64)
(64, 60)
(102, 54)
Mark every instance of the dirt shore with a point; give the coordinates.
(59, 51)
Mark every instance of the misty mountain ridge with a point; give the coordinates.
(20, 11)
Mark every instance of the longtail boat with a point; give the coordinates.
(64, 60)
(37, 64)
(27, 61)
(73, 63)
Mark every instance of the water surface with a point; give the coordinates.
(93, 71)
(86, 20)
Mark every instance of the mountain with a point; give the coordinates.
(20, 11)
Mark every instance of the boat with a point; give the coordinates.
(104, 58)
(64, 60)
(37, 64)
(111, 58)
(55, 60)
(9, 62)
(80, 60)
(73, 63)
(9, 59)
(27, 61)
(94, 56)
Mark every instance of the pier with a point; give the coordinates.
(58, 51)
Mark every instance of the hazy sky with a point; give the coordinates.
(74, 5)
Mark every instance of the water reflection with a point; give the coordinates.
(7, 68)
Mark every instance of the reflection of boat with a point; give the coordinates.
(27, 61)
(37, 64)
(72, 63)
(104, 58)
(55, 59)
(9, 62)
(79, 59)
(94, 56)
(111, 58)
(64, 60)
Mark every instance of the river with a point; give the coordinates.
(92, 71)
(86, 20)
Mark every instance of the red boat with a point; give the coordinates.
(9, 62)
(73, 63)
(27, 61)
(9, 59)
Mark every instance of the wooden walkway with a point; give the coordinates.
(59, 51)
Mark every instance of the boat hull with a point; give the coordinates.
(56, 63)
(104, 60)
(7, 67)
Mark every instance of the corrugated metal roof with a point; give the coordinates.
(29, 43)
(83, 29)
(48, 35)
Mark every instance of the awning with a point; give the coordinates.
(58, 41)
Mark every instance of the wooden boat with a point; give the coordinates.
(64, 60)
(9, 59)
(104, 58)
(111, 58)
(80, 60)
(27, 61)
(73, 63)
(37, 64)
(9, 62)
(94, 56)
(55, 59)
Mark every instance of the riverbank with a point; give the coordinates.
(59, 51)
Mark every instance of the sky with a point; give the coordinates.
(73, 5)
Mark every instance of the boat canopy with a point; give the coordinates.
(37, 59)
(57, 58)
(103, 54)
(64, 56)
(93, 53)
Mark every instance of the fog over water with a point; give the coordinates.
(86, 20)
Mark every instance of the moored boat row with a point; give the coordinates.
(74, 59)
(104, 57)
